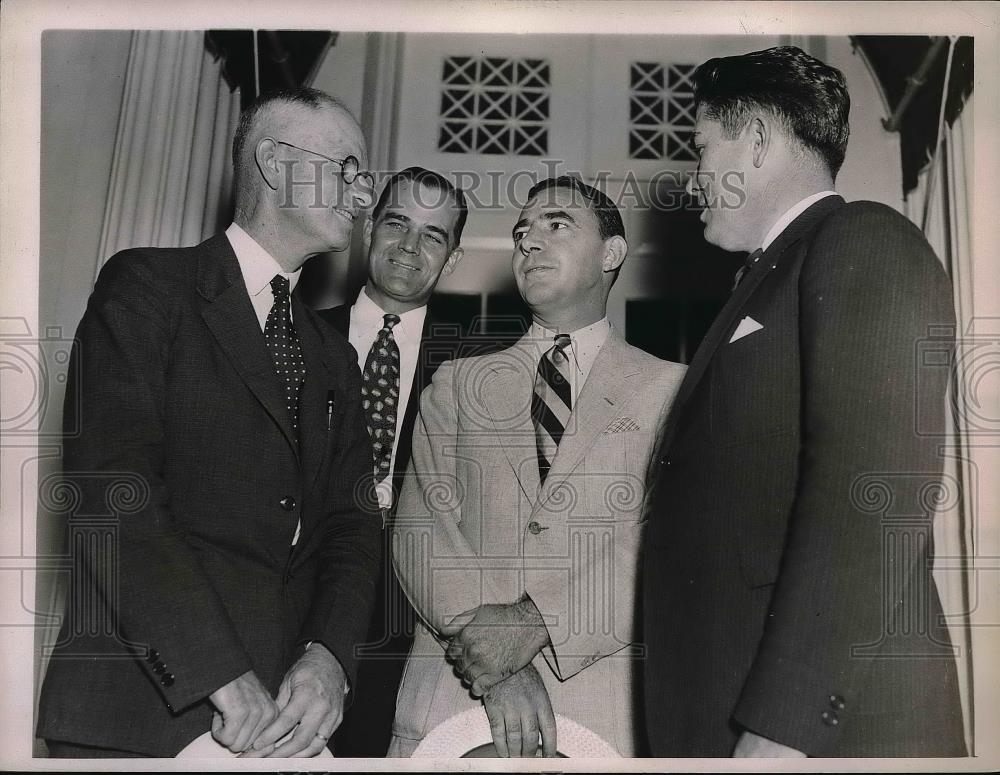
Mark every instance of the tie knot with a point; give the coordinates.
(390, 321)
(279, 286)
(558, 351)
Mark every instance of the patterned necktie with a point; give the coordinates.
(380, 395)
(751, 259)
(286, 352)
(551, 402)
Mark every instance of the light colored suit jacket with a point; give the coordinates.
(474, 527)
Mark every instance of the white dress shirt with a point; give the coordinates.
(258, 267)
(367, 319)
(791, 214)
(585, 344)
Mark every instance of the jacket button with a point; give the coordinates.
(830, 718)
(159, 668)
(534, 528)
(287, 503)
(665, 461)
(152, 656)
(836, 702)
(167, 680)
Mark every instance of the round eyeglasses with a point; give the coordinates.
(350, 168)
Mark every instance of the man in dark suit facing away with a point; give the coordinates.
(413, 240)
(245, 569)
(789, 606)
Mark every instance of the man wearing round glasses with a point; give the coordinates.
(245, 570)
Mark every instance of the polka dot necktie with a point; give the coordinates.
(286, 352)
(551, 402)
(380, 395)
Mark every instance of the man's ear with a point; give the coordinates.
(616, 248)
(366, 235)
(452, 262)
(761, 134)
(265, 157)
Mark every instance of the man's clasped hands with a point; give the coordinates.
(492, 647)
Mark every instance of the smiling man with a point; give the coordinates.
(524, 498)
(789, 604)
(412, 239)
(244, 570)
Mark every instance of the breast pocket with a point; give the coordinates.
(615, 474)
(755, 381)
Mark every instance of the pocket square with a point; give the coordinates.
(746, 327)
(622, 425)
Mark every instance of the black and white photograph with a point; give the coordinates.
(463, 379)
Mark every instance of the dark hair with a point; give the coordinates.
(418, 175)
(302, 95)
(609, 220)
(809, 97)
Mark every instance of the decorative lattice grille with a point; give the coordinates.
(661, 111)
(495, 105)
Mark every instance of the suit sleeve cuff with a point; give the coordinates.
(790, 703)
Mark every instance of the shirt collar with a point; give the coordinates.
(367, 312)
(584, 342)
(791, 214)
(257, 265)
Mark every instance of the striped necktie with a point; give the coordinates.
(551, 402)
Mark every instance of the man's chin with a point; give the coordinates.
(724, 241)
(339, 246)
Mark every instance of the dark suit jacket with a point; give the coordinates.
(185, 454)
(787, 580)
(431, 354)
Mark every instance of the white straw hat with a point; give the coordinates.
(205, 747)
(466, 731)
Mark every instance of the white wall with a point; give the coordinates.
(83, 76)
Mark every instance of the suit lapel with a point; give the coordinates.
(320, 385)
(230, 317)
(608, 386)
(507, 399)
(339, 318)
(421, 379)
(723, 324)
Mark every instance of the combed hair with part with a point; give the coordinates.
(417, 176)
(809, 97)
(609, 219)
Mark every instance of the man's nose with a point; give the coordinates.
(363, 192)
(529, 242)
(692, 187)
(410, 241)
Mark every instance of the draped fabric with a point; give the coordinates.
(945, 193)
(171, 174)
